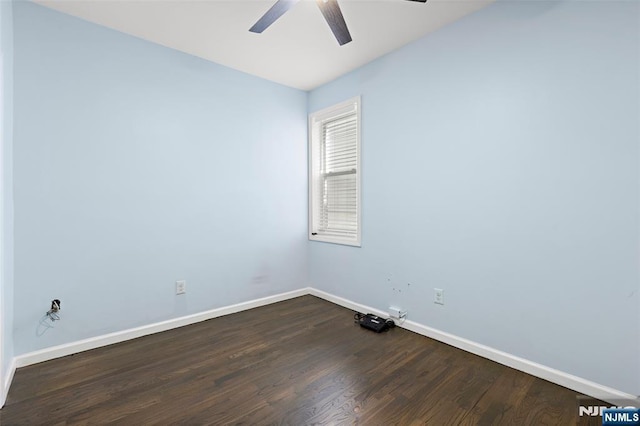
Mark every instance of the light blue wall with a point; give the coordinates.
(6, 282)
(500, 163)
(136, 166)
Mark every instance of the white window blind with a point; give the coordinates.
(334, 178)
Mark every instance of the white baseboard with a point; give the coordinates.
(133, 333)
(561, 378)
(7, 382)
(575, 383)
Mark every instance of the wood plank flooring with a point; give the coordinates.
(298, 362)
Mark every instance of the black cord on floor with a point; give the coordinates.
(389, 323)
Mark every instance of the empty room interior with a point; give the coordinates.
(200, 198)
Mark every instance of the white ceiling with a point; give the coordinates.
(298, 50)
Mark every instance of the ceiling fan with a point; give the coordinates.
(329, 8)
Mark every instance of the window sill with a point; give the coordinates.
(334, 240)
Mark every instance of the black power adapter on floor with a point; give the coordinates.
(373, 322)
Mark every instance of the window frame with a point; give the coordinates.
(314, 141)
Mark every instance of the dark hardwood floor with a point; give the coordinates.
(297, 362)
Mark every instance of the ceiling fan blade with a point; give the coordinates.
(276, 11)
(421, 1)
(333, 15)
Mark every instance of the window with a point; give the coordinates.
(334, 174)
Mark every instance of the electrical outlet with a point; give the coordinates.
(438, 296)
(181, 287)
(397, 313)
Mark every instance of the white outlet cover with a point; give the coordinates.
(181, 287)
(395, 312)
(438, 296)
